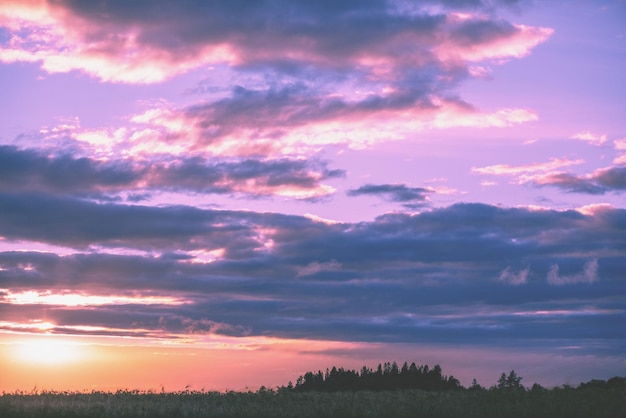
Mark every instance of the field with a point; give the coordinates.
(561, 402)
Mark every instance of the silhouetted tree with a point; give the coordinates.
(405, 369)
(394, 369)
(537, 388)
(475, 386)
(614, 382)
(510, 382)
(453, 383)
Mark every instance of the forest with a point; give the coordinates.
(390, 377)
(387, 376)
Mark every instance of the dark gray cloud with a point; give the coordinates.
(269, 176)
(34, 170)
(392, 310)
(411, 197)
(476, 4)
(29, 170)
(430, 277)
(612, 179)
(459, 233)
(250, 25)
(79, 223)
(481, 31)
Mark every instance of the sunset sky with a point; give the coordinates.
(227, 194)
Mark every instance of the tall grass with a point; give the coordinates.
(563, 402)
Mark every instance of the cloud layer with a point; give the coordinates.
(466, 272)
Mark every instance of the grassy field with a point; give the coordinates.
(567, 402)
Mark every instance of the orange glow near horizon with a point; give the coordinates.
(61, 362)
(68, 298)
(89, 363)
(47, 350)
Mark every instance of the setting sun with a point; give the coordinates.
(48, 351)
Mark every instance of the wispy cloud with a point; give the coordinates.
(68, 298)
(508, 276)
(588, 275)
(620, 144)
(523, 171)
(601, 181)
(315, 267)
(412, 197)
(592, 138)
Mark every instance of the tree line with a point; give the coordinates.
(389, 376)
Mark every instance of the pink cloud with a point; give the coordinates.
(595, 208)
(515, 41)
(301, 126)
(353, 125)
(598, 182)
(528, 169)
(74, 299)
(479, 71)
(116, 46)
(592, 138)
(620, 159)
(510, 277)
(588, 275)
(62, 41)
(620, 144)
(260, 187)
(315, 267)
(452, 115)
(320, 219)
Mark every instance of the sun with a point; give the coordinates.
(48, 351)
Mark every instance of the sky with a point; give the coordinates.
(223, 195)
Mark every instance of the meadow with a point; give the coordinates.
(558, 402)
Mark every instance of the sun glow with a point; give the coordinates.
(48, 351)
